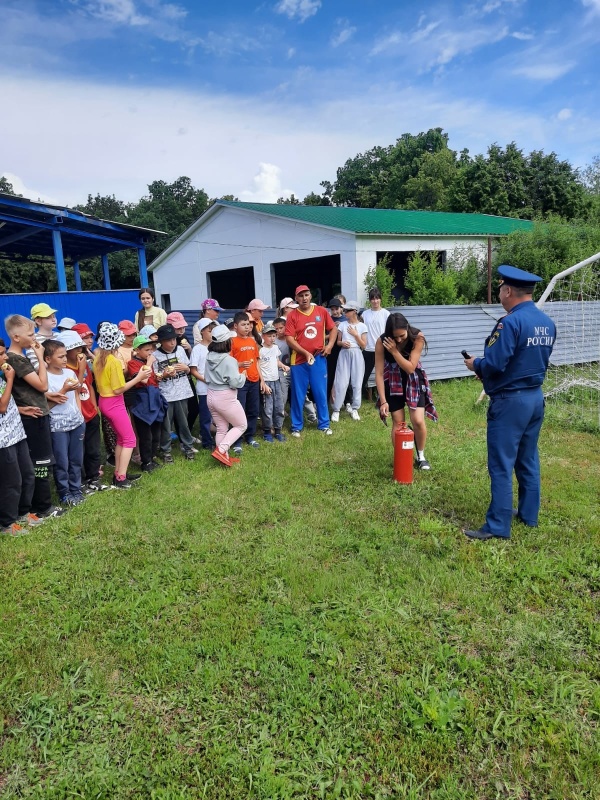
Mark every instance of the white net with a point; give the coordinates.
(572, 386)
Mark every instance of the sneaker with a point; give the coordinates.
(312, 418)
(222, 458)
(121, 484)
(268, 437)
(349, 408)
(355, 415)
(253, 443)
(422, 464)
(95, 486)
(150, 466)
(77, 500)
(167, 458)
(190, 454)
(53, 511)
(296, 434)
(335, 416)
(30, 519)
(280, 437)
(188, 450)
(195, 440)
(237, 449)
(327, 432)
(14, 530)
(133, 476)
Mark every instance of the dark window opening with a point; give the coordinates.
(321, 274)
(233, 288)
(165, 302)
(399, 266)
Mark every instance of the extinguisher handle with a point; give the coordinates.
(464, 354)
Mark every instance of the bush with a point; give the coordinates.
(381, 277)
(428, 284)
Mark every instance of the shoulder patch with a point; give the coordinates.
(493, 338)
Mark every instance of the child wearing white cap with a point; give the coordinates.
(223, 379)
(198, 368)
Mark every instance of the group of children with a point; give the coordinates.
(144, 385)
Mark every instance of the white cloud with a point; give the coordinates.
(522, 36)
(549, 71)
(267, 186)
(386, 43)
(128, 12)
(30, 194)
(494, 5)
(594, 5)
(344, 32)
(439, 42)
(118, 12)
(300, 9)
(564, 114)
(119, 152)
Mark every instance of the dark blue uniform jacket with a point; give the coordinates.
(517, 352)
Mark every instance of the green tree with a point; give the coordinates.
(549, 248)
(292, 200)
(428, 283)
(313, 199)
(6, 187)
(381, 277)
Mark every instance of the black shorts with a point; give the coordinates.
(39, 440)
(397, 402)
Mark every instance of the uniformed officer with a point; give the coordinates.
(512, 369)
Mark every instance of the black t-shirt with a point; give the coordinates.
(24, 394)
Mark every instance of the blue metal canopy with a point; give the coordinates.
(29, 228)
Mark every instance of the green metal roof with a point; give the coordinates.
(391, 221)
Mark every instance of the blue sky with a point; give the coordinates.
(261, 99)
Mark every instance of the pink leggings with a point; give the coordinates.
(113, 408)
(226, 410)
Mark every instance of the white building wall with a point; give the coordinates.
(367, 248)
(234, 238)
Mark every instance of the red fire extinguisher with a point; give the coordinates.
(404, 445)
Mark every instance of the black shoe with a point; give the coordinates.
(133, 476)
(95, 486)
(190, 455)
(149, 467)
(479, 534)
(167, 458)
(53, 511)
(422, 464)
(121, 484)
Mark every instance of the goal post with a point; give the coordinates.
(572, 385)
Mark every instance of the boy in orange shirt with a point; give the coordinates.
(245, 351)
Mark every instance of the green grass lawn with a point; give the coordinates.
(301, 627)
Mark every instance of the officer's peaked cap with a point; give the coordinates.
(512, 276)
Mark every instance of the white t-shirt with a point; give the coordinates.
(64, 416)
(268, 362)
(198, 360)
(177, 386)
(348, 337)
(375, 322)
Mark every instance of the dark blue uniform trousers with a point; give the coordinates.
(513, 428)
(303, 376)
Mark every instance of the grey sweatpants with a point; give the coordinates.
(271, 408)
(350, 370)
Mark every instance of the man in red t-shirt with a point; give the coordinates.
(305, 332)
